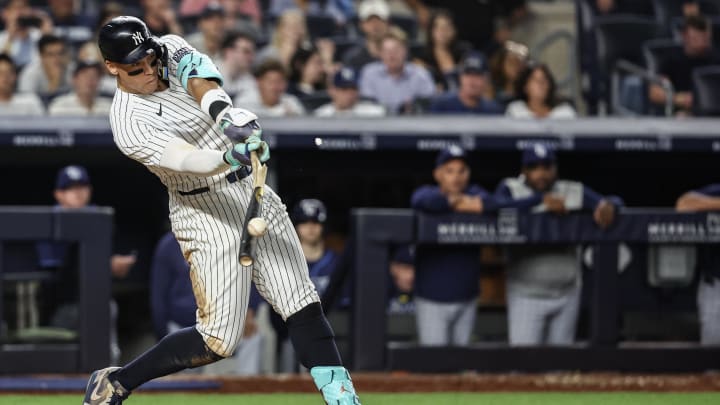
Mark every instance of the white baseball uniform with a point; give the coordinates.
(207, 213)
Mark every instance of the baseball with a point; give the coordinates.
(257, 226)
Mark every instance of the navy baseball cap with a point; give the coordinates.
(70, 176)
(450, 153)
(538, 153)
(345, 78)
(474, 62)
(309, 210)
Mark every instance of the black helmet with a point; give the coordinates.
(126, 40)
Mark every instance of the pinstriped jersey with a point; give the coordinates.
(142, 125)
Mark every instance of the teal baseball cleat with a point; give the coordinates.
(335, 385)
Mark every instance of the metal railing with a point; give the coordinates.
(622, 67)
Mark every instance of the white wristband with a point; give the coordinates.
(212, 96)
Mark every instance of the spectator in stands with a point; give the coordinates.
(443, 51)
(90, 50)
(340, 10)
(470, 97)
(544, 283)
(484, 24)
(23, 28)
(174, 307)
(272, 99)
(234, 10)
(394, 82)
(12, 103)
(208, 39)
(290, 33)
(307, 73)
(537, 96)
(605, 7)
(344, 94)
(73, 191)
(238, 55)
(505, 67)
(697, 51)
(374, 15)
(447, 277)
(85, 99)
(708, 264)
(62, 13)
(160, 17)
(51, 74)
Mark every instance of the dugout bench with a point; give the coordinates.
(375, 230)
(91, 230)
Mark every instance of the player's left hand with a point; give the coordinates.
(238, 124)
(239, 155)
(254, 143)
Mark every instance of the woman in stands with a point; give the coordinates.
(290, 33)
(505, 67)
(307, 73)
(443, 51)
(536, 96)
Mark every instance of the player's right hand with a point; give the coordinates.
(239, 155)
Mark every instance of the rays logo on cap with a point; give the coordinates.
(74, 173)
(137, 37)
(540, 150)
(455, 150)
(313, 208)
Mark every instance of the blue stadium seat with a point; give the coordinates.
(706, 90)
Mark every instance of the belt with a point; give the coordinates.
(231, 178)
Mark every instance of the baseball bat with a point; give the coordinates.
(247, 241)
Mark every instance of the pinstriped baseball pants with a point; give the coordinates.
(208, 227)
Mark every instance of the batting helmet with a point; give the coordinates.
(126, 40)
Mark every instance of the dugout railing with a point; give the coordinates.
(90, 231)
(376, 230)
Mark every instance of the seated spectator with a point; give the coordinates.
(238, 55)
(394, 82)
(505, 67)
(344, 94)
(174, 307)
(208, 38)
(23, 28)
(289, 34)
(373, 15)
(159, 15)
(697, 51)
(443, 51)
(340, 10)
(12, 103)
(307, 73)
(271, 99)
(537, 96)
(85, 99)
(234, 10)
(51, 74)
(544, 282)
(69, 25)
(708, 264)
(470, 97)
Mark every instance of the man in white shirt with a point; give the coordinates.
(11, 103)
(50, 75)
(344, 94)
(84, 100)
(271, 99)
(210, 32)
(238, 55)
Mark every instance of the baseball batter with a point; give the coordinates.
(170, 114)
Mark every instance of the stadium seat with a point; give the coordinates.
(706, 90)
(312, 102)
(342, 44)
(656, 51)
(321, 26)
(407, 24)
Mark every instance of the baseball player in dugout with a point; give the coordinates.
(544, 282)
(170, 113)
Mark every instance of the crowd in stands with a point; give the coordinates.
(286, 57)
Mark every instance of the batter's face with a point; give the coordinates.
(73, 197)
(140, 77)
(309, 232)
(453, 176)
(540, 176)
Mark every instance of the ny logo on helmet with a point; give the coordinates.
(137, 37)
